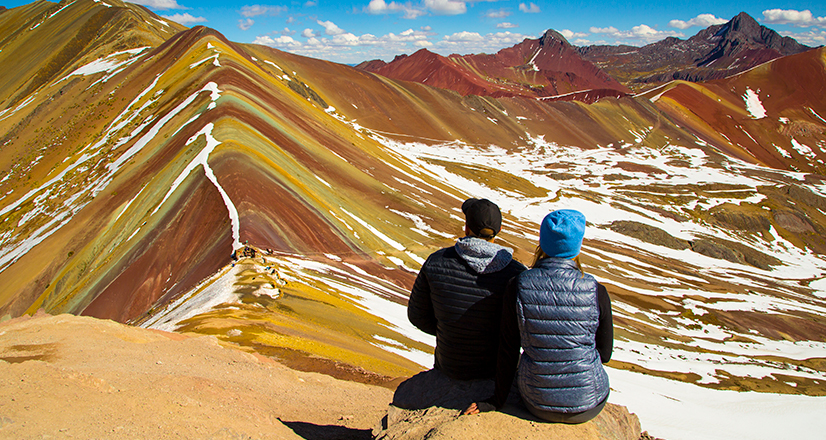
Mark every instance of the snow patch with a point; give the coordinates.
(202, 159)
(753, 104)
(396, 245)
(714, 414)
(803, 149)
(819, 287)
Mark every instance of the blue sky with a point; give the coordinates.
(355, 31)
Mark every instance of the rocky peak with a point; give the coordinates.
(372, 65)
(745, 30)
(424, 54)
(553, 37)
(715, 52)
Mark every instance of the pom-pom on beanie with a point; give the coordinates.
(561, 233)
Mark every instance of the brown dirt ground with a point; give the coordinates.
(78, 377)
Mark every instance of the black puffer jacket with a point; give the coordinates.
(457, 297)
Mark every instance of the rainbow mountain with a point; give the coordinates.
(143, 163)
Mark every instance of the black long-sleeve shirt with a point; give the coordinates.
(510, 341)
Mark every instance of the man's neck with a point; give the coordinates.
(489, 240)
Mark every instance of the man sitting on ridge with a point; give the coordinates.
(458, 293)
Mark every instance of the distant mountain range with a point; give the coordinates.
(550, 66)
(544, 67)
(715, 52)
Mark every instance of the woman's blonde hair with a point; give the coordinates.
(539, 254)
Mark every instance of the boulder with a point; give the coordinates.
(648, 234)
(793, 222)
(440, 417)
(734, 252)
(754, 222)
(713, 249)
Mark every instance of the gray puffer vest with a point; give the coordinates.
(560, 369)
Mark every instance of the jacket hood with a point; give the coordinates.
(483, 256)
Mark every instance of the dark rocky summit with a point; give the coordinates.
(715, 52)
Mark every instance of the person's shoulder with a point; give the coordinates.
(440, 255)
(441, 252)
(533, 273)
(516, 266)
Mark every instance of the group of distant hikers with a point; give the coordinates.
(483, 306)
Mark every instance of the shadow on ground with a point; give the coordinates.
(310, 431)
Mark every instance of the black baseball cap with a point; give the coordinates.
(481, 214)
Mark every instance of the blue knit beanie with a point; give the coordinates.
(561, 233)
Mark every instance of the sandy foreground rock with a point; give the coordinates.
(77, 377)
(429, 405)
(435, 423)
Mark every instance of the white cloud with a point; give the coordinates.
(506, 25)
(702, 20)
(608, 30)
(245, 24)
(645, 31)
(417, 38)
(568, 34)
(377, 7)
(349, 48)
(330, 28)
(529, 9)
(445, 7)
(381, 7)
(160, 4)
(815, 37)
(497, 13)
(437, 7)
(282, 41)
(256, 10)
(413, 13)
(348, 39)
(185, 19)
(792, 17)
(472, 42)
(638, 34)
(310, 4)
(463, 36)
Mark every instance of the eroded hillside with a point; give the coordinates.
(134, 169)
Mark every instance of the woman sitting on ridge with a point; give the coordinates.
(561, 317)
